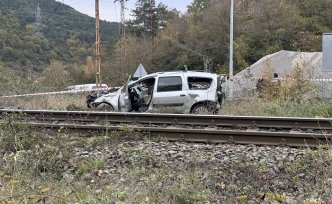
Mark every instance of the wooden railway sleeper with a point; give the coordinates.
(212, 124)
(231, 140)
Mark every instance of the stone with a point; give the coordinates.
(68, 177)
(85, 153)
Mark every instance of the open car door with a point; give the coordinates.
(124, 101)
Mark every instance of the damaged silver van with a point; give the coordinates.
(175, 92)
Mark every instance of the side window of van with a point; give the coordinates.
(173, 83)
(199, 83)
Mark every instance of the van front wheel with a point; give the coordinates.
(105, 107)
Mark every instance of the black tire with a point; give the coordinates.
(201, 109)
(90, 98)
(105, 107)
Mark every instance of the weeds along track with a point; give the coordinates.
(194, 128)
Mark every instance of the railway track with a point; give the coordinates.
(199, 128)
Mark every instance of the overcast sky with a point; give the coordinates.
(110, 11)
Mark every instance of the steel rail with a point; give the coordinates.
(290, 123)
(208, 128)
(202, 135)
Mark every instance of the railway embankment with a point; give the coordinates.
(127, 167)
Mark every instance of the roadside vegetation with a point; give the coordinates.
(116, 167)
(294, 96)
(262, 107)
(51, 102)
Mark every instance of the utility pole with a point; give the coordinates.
(231, 46)
(98, 83)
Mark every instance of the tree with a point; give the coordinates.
(149, 19)
(197, 7)
(116, 71)
(78, 50)
(55, 77)
(89, 67)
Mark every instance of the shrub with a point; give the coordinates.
(15, 136)
(293, 88)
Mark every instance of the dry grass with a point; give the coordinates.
(261, 107)
(54, 102)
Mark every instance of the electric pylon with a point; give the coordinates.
(38, 23)
(122, 18)
(122, 37)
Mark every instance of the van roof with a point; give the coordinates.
(186, 73)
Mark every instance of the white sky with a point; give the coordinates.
(110, 11)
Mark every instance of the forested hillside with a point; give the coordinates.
(159, 37)
(261, 27)
(62, 34)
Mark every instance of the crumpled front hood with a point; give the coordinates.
(109, 96)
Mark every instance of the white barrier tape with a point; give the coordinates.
(247, 77)
(284, 79)
(59, 92)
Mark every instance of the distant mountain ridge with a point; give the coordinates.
(67, 34)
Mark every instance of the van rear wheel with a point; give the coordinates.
(105, 107)
(201, 109)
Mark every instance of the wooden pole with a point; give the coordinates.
(98, 82)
